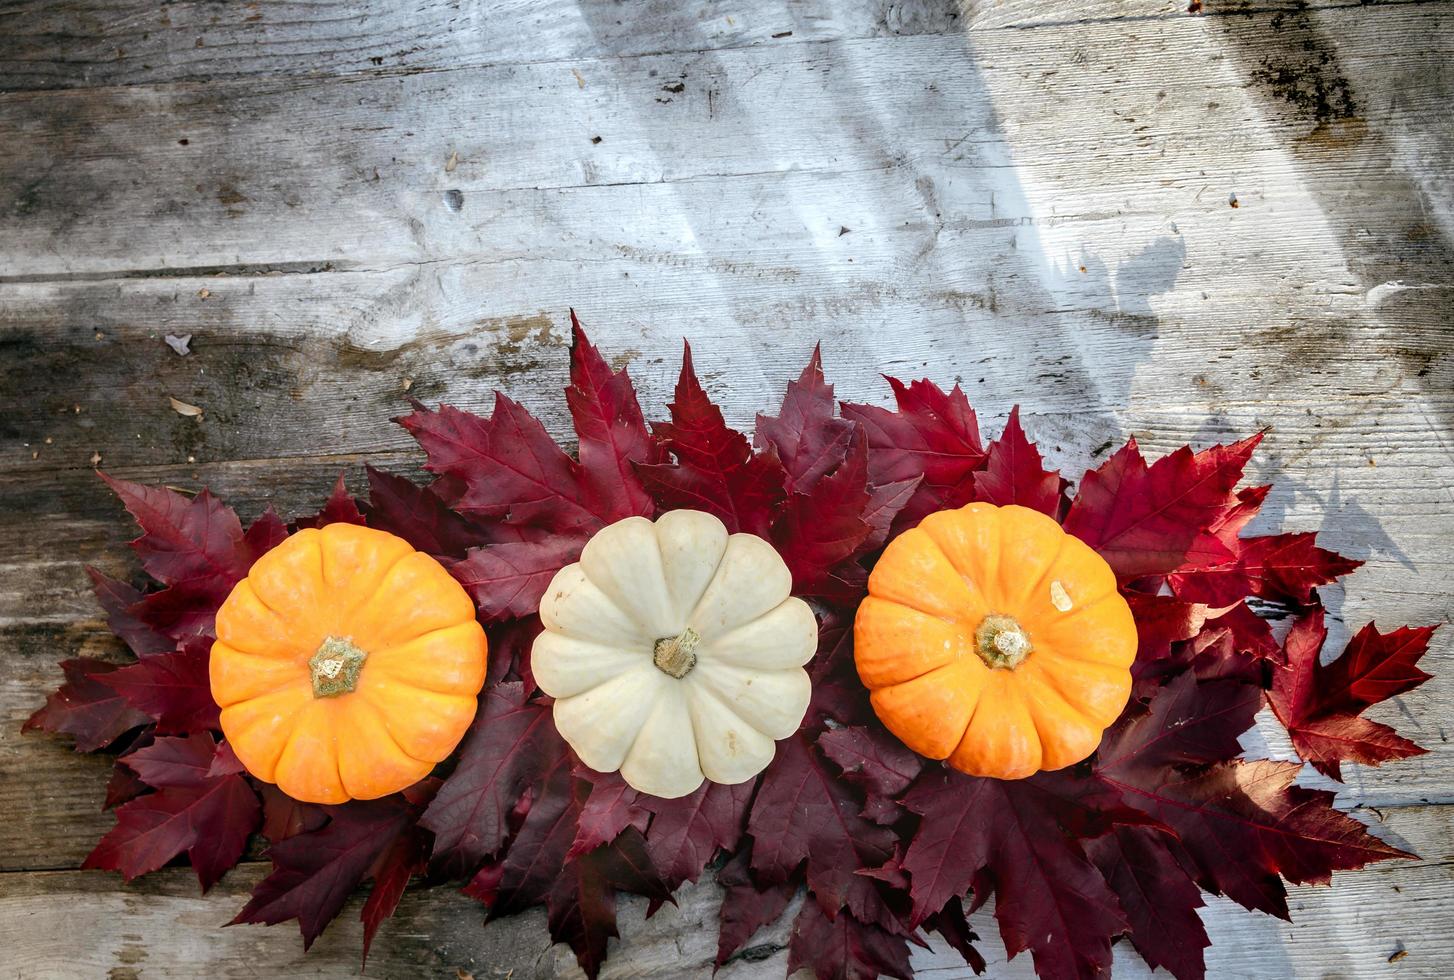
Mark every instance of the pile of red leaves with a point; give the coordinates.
(887, 845)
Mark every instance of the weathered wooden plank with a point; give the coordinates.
(254, 185)
(80, 924)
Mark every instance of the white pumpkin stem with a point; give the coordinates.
(334, 667)
(1001, 642)
(677, 655)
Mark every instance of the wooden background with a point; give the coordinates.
(1124, 217)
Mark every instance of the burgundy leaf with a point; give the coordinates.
(1010, 837)
(507, 580)
(1250, 632)
(610, 809)
(746, 905)
(173, 688)
(118, 598)
(875, 762)
(1015, 474)
(1187, 723)
(505, 468)
(86, 707)
(803, 812)
(1162, 620)
(209, 817)
(420, 517)
(314, 872)
(715, 469)
(1159, 899)
(843, 948)
(611, 431)
(285, 817)
(1144, 520)
(123, 785)
(686, 832)
(933, 436)
(263, 535)
(884, 504)
(806, 434)
(185, 540)
(406, 857)
(1321, 706)
(824, 528)
(340, 508)
(952, 923)
(511, 744)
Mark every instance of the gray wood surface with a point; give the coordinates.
(341, 200)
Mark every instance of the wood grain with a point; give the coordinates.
(1122, 217)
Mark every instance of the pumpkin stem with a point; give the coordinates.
(1001, 642)
(335, 666)
(677, 655)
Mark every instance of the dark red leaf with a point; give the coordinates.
(746, 905)
(1162, 620)
(884, 504)
(505, 468)
(1281, 567)
(511, 744)
(611, 431)
(209, 817)
(197, 540)
(843, 948)
(803, 812)
(340, 508)
(315, 872)
(952, 923)
(506, 580)
(611, 807)
(172, 688)
(118, 598)
(715, 469)
(1187, 723)
(686, 832)
(86, 707)
(1014, 473)
(807, 435)
(1144, 520)
(875, 762)
(933, 436)
(285, 817)
(406, 857)
(579, 894)
(1015, 838)
(263, 535)
(417, 515)
(1157, 896)
(1321, 706)
(1250, 632)
(823, 528)
(123, 785)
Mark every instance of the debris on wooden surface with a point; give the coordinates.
(183, 408)
(180, 344)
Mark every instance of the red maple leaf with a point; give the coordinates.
(420, 517)
(197, 540)
(1159, 899)
(285, 817)
(507, 579)
(806, 434)
(1014, 473)
(687, 832)
(1144, 520)
(172, 688)
(952, 923)
(822, 530)
(611, 431)
(208, 816)
(747, 906)
(510, 746)
(933, 437)
(1321, 706)
(1241, 823)
(118, 599)
(715, 469)
(579, 894)
(340, 508)
(843, 948)
(314, 872)
(804, 813)
(877, 763)
(86, 707)
(611, 807)
(1017, 840)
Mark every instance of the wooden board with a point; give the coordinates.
(348, 203)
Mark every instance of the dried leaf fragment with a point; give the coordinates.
(179, 344)
(183, 408)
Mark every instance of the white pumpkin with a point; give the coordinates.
(675, 652)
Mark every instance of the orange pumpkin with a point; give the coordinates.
(346, 665)
(992, 639)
